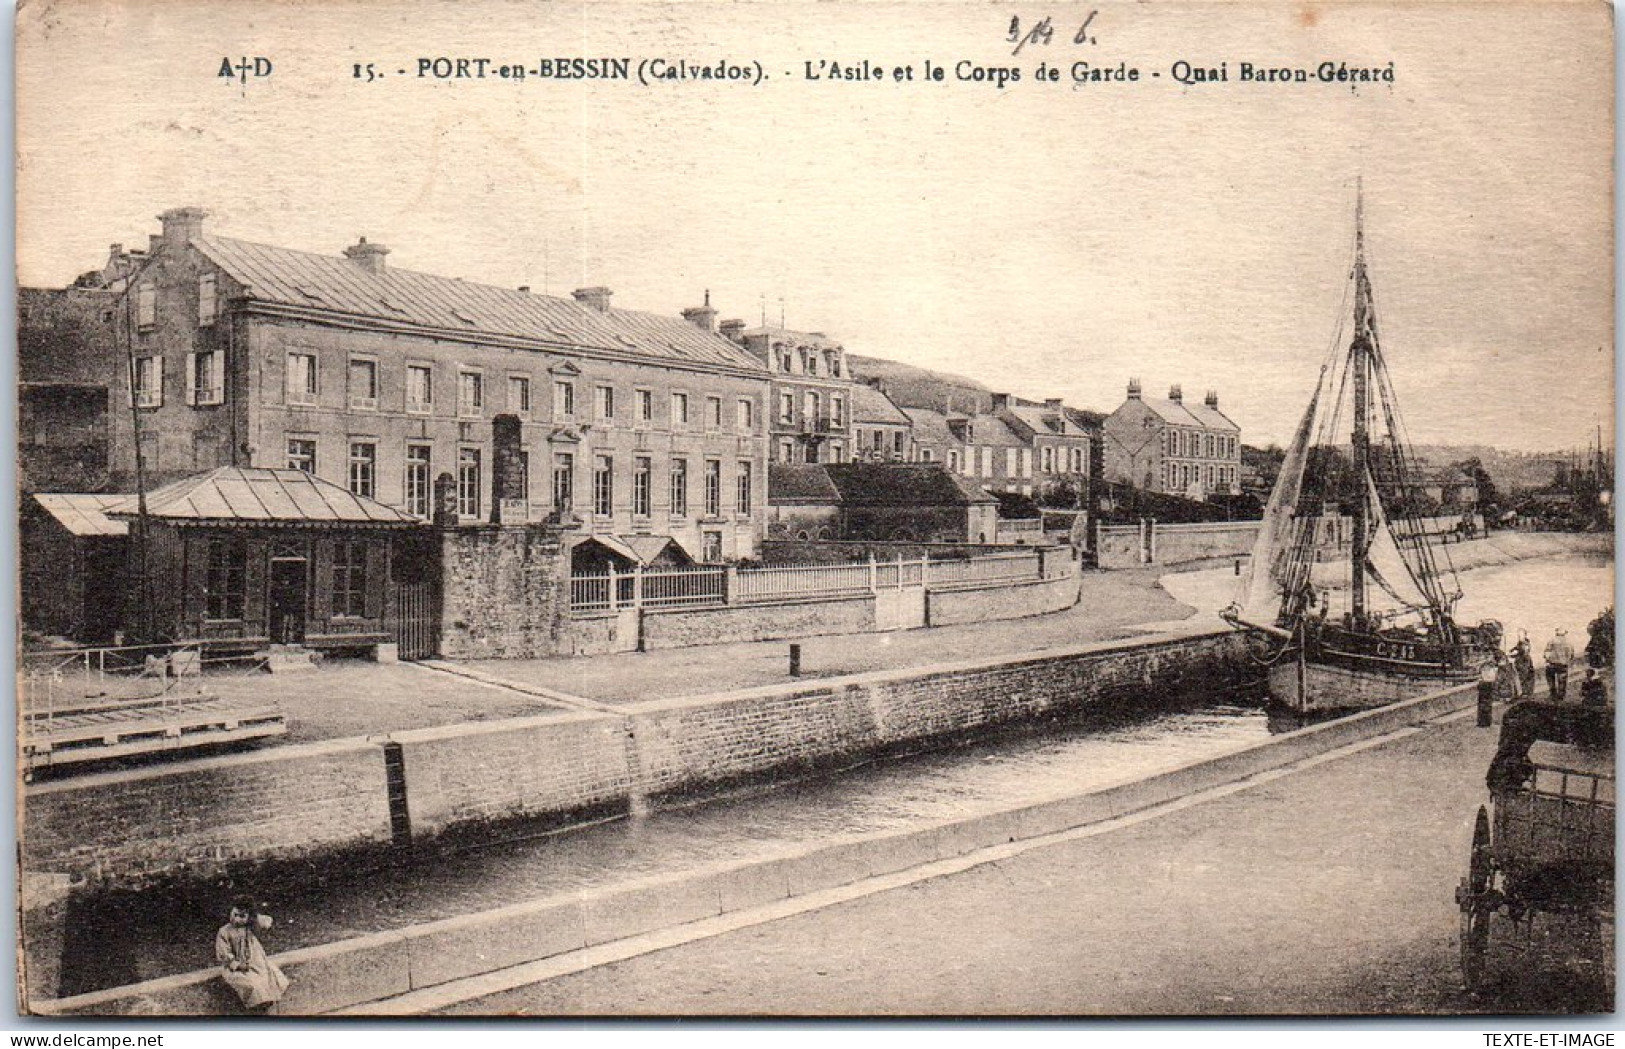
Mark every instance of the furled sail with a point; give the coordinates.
(1383, 560)
(1262, 586)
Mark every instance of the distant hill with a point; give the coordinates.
(912, 387)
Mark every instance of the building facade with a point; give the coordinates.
(383, 380)
(809, 418)
(1168, 445)
(881, 432)
(1060, 447)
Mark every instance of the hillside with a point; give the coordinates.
(912, 387)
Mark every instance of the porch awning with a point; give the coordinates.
(255, 495)
(639, 549)
(83, 514)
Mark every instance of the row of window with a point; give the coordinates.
(303, 387)
(208, 304)
(419, 473)
(811, 361)
(205, 379)
(1179, 476)
(226, 571)
(812, 409)
(1205, 445)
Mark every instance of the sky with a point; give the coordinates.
(1046, 239)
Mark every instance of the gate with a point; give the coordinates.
(413, 625)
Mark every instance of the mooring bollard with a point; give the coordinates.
(1486, 696)
(795, 660)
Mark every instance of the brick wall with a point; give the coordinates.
(947, 607)
(195, 818)
(504, 592)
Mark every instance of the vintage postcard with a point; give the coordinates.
(788, 509)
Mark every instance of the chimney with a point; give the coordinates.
(1176, 394)
(1134, 389)
(733, 329)
(182, 225)
(525, 288)
(369, 257)
(593, 298)
(1052, 403)
(702, 317)
(1212, 399)
(1001, 401)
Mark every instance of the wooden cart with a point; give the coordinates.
(1548, 848)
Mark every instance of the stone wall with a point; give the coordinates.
(202, 818)
(480, 773)
(947, 607)
(1176, 543)
(192, 818)
(1119, 546)
(504, 592)
(712, 626)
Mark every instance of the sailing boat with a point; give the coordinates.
(1342, 573)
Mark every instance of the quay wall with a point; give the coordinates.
(362, 973)
(190, 819)
(217, 816)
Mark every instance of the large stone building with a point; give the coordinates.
(1168, 445)
(1060, 446)
(810, 414)
(381, 380)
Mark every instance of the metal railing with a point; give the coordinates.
(705, 586)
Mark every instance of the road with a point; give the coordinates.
(1325, 891)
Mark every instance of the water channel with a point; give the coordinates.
(126, 938)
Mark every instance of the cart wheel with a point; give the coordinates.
(1478, 862)
(1475, 911)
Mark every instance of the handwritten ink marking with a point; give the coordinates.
(1082, 35)
(1039, 34)
(1044, 31)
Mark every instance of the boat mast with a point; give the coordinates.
(1360, 362)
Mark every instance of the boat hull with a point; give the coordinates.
(1323, 688)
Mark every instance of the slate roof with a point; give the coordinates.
(869, 405)
(800, 484)
(1171, 412)
(930, 426)
(339, 285)
(1044, 420)
(1211, 418)
(83, 515)
(255, 495)
(993, 431)
(903, 484)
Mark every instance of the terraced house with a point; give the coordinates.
(429, 393)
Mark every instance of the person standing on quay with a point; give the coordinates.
(1559, 654)
(1524, 663)
(244, 966)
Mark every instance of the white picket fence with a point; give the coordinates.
(708, 586)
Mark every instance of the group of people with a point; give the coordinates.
(1517, 672)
